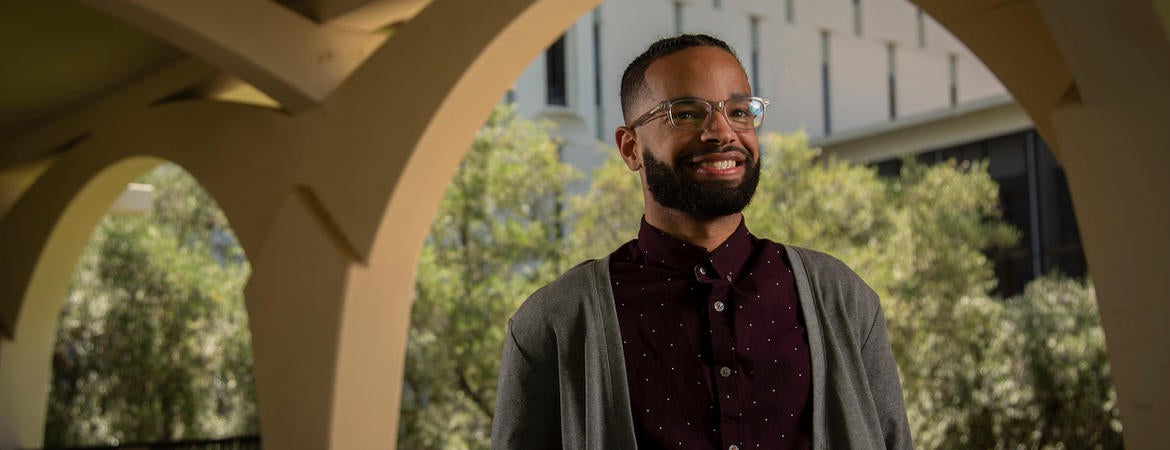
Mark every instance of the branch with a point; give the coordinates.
(476, 397)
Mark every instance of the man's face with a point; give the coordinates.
(705, 173)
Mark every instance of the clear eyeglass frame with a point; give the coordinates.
(742, 113)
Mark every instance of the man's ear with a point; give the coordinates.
(627, 144)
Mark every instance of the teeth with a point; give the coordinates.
(721, 164)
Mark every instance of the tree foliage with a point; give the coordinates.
(494, 242)
(153, 343)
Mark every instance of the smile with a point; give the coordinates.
(720, 164)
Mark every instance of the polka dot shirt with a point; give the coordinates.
(715, 346)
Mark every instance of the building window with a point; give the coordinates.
(953, 63)
(754, 26)
(892, 79)
(678, 17)
(857, 17)
(556, 92)
(597, 72)
(825, 94)
(921, 23)
(790, 11)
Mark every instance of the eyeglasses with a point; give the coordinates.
(743, 113)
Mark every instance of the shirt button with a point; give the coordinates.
(702, 270)
(719, 306)
(733, 447)
(725, 371)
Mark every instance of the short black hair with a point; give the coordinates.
(634, 78)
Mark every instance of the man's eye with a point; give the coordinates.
(740, 113)
(686, 115)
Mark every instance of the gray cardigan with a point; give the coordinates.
(563, 378)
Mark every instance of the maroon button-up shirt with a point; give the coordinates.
(715, 345)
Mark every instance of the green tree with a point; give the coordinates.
(608, 213)
(153, 342)
(1063, 350)
(496, 239)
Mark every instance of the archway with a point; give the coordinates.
(152, 344)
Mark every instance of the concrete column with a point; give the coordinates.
(1115, 147)
(46, 252)
(1092, 77)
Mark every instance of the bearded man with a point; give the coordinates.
(698, 334)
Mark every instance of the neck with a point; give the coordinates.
(707, 233)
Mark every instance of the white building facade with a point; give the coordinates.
(828, 66)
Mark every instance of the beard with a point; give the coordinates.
(673, 186)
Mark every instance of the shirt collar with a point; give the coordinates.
(660, 248)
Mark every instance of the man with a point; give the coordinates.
(698, 334)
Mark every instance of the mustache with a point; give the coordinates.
(747, 156)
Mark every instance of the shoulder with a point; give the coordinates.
(833, 284)
(820, 264)
(562, 300)
(824, 268)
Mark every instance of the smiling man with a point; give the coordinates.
(698, 334)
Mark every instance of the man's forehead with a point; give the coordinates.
(698, 72)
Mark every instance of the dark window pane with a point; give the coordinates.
(554, 58)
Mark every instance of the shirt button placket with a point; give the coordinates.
(723, 358)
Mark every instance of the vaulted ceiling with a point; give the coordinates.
(62, 56)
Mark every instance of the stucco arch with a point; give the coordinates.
(1093, 78)
(331, 205)
(25, 367)
(46, 230)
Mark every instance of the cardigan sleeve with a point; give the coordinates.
(860, 400)
(885, 386)
(527, 398)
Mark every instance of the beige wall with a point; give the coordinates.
(642, 21)
(891, 21)
(793, 79)
(836, 16)
(974, 80)
(857, 77)
(927, 87)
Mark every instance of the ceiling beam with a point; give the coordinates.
(294, 60)
(56, 134)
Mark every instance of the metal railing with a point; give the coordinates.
(233, 443)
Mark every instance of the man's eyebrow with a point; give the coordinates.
(692, 97)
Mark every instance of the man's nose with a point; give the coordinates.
(718, 129)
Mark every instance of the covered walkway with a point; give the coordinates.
(328, 131)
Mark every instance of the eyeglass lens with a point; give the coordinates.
(742, 114)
